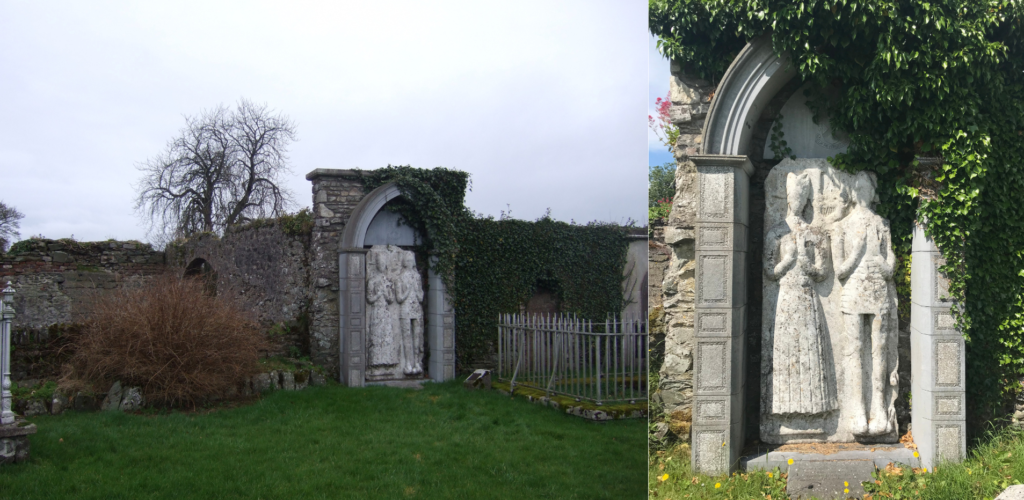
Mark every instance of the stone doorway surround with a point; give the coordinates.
(360, 230)
(722, 236)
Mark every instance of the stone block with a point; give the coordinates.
(921, 242)
(937, 405)
(720, 322)
(679, 115)
(317, 378)
(36, 407)
(262, 383)
(719, 366)
(938, 361)
(721, 237)
(721, 279)
(113, 399)
(1014, 492)
(710, 449)
(723, 194)
(928, 286)
(288, 381)
(59, 403)
(681, 93)
(674, 235)
(940, 441)
(132, 399)
(937, 320)
(829, 478)
(14, 443)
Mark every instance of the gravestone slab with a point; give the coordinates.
(829, 479)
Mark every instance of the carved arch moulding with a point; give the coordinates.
(723, 261)
(372, 228)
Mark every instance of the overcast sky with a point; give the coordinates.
(658, 68)
(541, 102)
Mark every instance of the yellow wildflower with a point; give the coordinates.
(718, 485)
(846, 483)
(663, 478)
(790, 461)
(916, 454)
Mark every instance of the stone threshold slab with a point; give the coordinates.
(768, 458)
(828, 479)
(404, 384)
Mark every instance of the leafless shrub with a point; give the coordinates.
(169, 337)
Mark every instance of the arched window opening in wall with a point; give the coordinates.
(201, 269)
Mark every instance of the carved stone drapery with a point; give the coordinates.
(394, 294)
(829, 315)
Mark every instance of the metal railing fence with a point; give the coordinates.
(599, 361)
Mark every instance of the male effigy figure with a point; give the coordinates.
(868, 305)
(410, 296)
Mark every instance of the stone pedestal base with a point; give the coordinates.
(768, 458)
(14, 441)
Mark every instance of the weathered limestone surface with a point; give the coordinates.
(14, 445)
(394, 296)
(58, 281)
(829, 330)
(261, 267)
(335, 194)
(690, 98)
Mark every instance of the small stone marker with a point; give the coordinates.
(1015, 492)
(479, 378)
(829, 478)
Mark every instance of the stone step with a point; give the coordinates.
(827, 479)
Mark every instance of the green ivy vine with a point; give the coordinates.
(492, 266)
(915, 79)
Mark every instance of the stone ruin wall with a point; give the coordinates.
(691, 99)
(335, 195)
(59, 281)
(283, 278)
(263, 269)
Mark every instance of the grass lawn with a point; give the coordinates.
(335, 442)
(991, 466)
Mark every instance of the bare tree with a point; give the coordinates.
(10, 221)
(225, 167)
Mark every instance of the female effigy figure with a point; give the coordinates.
(797, 255)
(410, 297)
(379, 293)
(868, 305)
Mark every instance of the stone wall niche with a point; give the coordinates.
(829, 327)
(828, 297)
(391, 327)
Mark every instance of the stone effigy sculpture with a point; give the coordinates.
(796, 256)
(394, 296)
(380, 293)
(869, 310)
(410, 316)
(829, 312)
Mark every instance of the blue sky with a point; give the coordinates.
(658, 75)
(541, 102)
